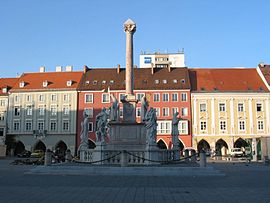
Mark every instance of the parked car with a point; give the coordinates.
(236, 152)
(24, 154)
(37, 154)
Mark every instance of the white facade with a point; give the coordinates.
(159, 60)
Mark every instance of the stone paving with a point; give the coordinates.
(241, 183)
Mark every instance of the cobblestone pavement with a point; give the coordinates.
(242, 183)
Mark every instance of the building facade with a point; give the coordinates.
(42, 111)
(167, 90)
(162, 60)
(230, 109)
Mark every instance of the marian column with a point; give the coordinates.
(129, 103)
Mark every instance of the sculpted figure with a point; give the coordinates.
(114, 109)
(175, 131)
(101, 126)
(84, 129)
(144, 107)
(151, 126)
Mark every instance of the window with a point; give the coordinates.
(45, 83)
(156, 81)
(139, 96)
(222, 107)
(240, 107)
(175, 97)
(174, 81)
(165, 97)
(28, 126)
(164, 81)
(203, 107)
(41, 98)
(17, 98)
(29, 110)
(65, 125)
(69, 83)
(40, 125)
(259, 107)
(165, 111)
(4, 90)
(174, 110)
(184, 111)
(203, 125)
(122, 96)
(222, 125)
(17, 111)
(157, 111)
(183, 81)
(2, 102)
(90, 127)
(156, 97)
(66, 97)
(138, 112)
(242, 125)
(260, 125)
(53, 110)
(53, 97)
(164, 127)
(105, 98)
(16, 126)
(28, 98)
(41, 110)
(184, 97)
(89, 112)
(2, 117)
(89, 98)
(66, 110)
(53, 126)
(183, 127)
(22, 84)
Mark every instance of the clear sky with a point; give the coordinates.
(213, 33)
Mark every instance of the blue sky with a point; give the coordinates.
(34, 33)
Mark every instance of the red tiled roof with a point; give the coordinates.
(226, 80)
(56, 80)
(265, 69)
(143, 79)
(7, 83)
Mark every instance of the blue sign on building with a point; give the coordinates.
(147, 59)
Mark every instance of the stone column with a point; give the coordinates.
(130, 29)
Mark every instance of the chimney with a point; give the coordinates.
(69, 68)
(85, 69)
(58, 69)
(118, 69)
(261, 64)
(152, 69)
(42, 69)
(169, 68)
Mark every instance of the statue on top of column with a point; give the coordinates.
(129, 26)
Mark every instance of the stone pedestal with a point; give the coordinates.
(152, 154)
(129, 108)
(48, 158)
(98, 153)
(3, 149)
(202, 159)
(126, 136)
(176, 153)
(265, 147)
(254, 149)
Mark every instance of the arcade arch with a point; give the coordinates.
(161, 144)
(19, 148)
(40, 146)
(221, 148)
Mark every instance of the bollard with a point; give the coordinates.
(186, 152)
(68, 157)
(48, 158)
(193, 156)
(202, 159)
(124, 158)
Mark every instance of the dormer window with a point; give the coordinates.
(183, 81)
(156, 81)
(103, 82)
(45, 83)
(174, 81)
(111, 82)
(87, 82)
(164, 81)
(22, 84)
(4, 90)
(94, 82)
(69, 83)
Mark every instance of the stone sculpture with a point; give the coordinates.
(175, 131)
(114, 109)
(151, 126)
(144, 107)
(101, 126)
(84, 129)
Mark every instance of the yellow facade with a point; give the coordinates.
(223, 118)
